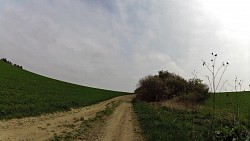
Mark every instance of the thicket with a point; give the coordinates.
(168, 85)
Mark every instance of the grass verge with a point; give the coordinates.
(163, 123)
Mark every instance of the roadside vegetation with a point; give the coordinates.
(173, 124)
(23, 93)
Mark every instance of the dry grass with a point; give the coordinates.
(175, 104)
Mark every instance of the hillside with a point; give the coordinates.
(23, 93)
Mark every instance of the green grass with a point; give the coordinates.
(162, 123)
(230, 101)
(23, 93)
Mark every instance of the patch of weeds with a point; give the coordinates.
(42, 128)
(69, 126)
(66, 137)
(81, 119)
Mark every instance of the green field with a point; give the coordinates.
(163, 123)
(23, 93)
(230, 101)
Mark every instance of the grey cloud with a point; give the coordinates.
(108, 44)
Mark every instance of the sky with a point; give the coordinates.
(112, 44)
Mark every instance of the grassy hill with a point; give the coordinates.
(23, 93)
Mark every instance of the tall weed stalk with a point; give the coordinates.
(214, 73)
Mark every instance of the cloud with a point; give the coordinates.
(109, 44)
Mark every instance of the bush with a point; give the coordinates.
(196, 92)
(167, 85)
(175, 86)
(150, 88)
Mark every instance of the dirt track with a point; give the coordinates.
(121, 125)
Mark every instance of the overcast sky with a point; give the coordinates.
(111, 44)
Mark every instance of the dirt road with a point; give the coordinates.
(121, 125)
